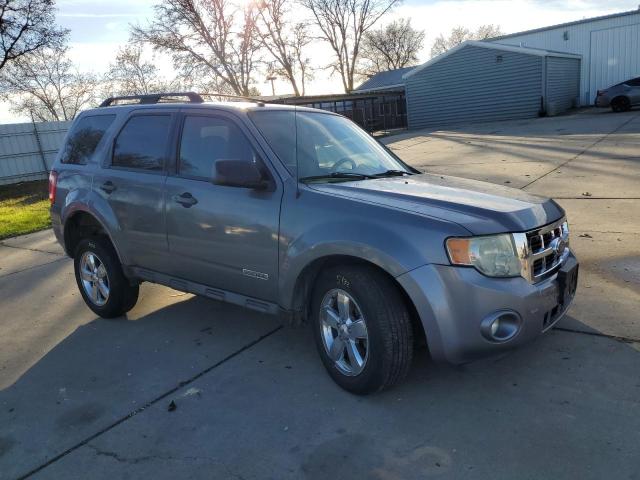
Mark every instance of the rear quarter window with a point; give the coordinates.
(84, 138)
(142, 143)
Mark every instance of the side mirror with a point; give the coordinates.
(240, 173)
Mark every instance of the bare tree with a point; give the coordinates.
(199, 79)
(394, 46)
(285, 42)
(461, 34)
(27, 26)
(301, 60)
(45, 86)
(130, 74)
(213, 37)
(343, 23)
(456, 37)
(488, 31)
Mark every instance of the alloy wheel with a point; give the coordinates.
(95, 279)
(344, 332)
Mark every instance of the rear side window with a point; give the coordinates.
(84, 138)
(207, 139)
(142, 143)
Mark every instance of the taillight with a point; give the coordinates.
(53, 183)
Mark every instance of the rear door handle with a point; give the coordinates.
(186, 199)
(108, 187)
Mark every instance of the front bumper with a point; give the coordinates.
(452, 302)
(602, 101)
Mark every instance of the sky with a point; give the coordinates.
(99, 28)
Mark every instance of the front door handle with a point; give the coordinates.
(186, 199)
(108, 187)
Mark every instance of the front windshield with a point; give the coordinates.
(328, 146)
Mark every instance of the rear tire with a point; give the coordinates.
(620, 104)
(100, 279)
(361, 360)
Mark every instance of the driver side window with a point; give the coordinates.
(205, 140)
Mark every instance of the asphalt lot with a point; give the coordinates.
(82, 397)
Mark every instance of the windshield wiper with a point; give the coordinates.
(344, 175)
(392, 173)
(356, 176)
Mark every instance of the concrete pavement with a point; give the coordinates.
(82, 397)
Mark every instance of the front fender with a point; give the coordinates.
(315, 225)
(361, 240)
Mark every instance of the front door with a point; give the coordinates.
(221, 236)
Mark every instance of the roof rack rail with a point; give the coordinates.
(239, 97)
(152, 98)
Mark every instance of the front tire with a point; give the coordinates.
(362, 328)
(100, 279)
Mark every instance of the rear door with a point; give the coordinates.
(132, 182)
(221, 236)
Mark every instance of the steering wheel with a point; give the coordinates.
(341, 161)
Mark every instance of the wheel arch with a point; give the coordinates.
(80, 224)
(620, 98)
(300, 306)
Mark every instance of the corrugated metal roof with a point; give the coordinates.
(492, 46)
(567, 24)
(382, 80)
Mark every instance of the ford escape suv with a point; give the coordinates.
(300, 213)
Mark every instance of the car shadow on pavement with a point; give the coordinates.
(106, 369)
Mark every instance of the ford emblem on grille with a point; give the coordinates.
(558, 245)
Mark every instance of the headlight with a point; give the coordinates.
(492, 255)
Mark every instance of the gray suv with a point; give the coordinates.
(300, 213)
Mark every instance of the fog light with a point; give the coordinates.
(501, 326)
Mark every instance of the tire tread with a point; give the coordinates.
(123, 296)
(392, 318)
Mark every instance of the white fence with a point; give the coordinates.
(27, 150)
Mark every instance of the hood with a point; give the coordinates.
(480, 207)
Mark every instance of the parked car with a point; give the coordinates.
(300, 213)
(620, 97)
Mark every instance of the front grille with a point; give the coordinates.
(543, 250)
(538, 267)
